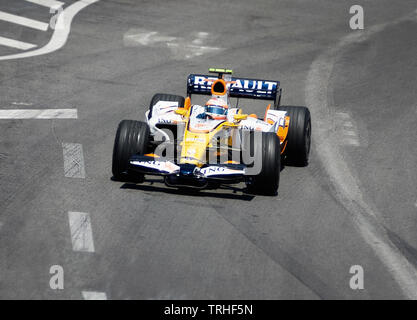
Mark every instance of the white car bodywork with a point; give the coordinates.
(163, 112)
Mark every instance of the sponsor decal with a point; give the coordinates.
(191, 152)
(158, 165)
(239, 83)
(164, 120)
(162, 105)
(215, 171)
(277, 117)
(254, 126)
(195, 140)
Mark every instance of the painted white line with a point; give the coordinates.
(39, 114)
(343, 115)
(26, 22)
(81, 231)
(94, 295)
(201, 36)
(22, 104)
(351, 142)
(147, 38)
(350, 133)
(60, 35)
(53, 4)
(73, 160)
(180, 47)
(16, 44)
(347, 189)
(348, 124)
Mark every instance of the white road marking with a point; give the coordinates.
(201, 36)
(53, 4)
(346, 129)
(350, 133)
(39, 114)
(16, 44)
(342, 115)
(180, 47)
(365, 216)
(351, 141)
(26, 22)
(73, 160)
(81, 231)
(22, 104)
(147, 38)
(60, 35)
(94, 295)
(348, 124)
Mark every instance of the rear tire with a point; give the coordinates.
(165, 97)
(132, 137)
(267, 181)
(299, 136)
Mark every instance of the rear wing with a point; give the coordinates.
(241, 88)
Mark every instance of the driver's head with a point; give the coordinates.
(216, 108)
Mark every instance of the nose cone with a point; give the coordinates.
(194, 148)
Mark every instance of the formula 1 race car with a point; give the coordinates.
(197, 146)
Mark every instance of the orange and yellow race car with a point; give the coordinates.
(197, 146)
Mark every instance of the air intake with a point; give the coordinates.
(218, 87)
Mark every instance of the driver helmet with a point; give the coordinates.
(216, 108)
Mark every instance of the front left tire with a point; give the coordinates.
(266, 182)
(132, 137)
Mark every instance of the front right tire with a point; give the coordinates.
(297, 150)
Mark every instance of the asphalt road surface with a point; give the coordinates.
(355, 204)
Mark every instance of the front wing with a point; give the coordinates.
(153, 166)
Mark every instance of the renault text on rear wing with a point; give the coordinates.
(239, 88)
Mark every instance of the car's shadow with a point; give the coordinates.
(222, 192)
